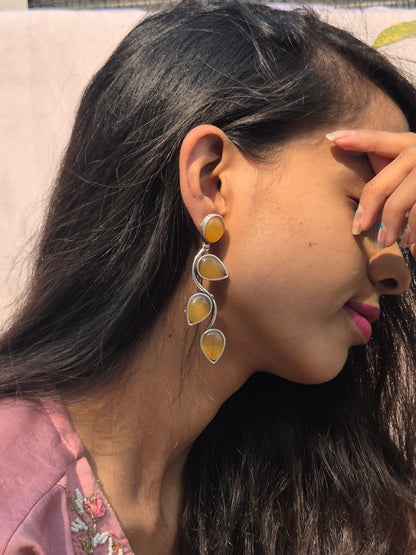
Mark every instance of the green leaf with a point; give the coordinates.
(396, 33)
(86, 545)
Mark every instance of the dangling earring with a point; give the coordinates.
(202, 304)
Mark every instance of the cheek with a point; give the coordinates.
(291, 245)
(303, 280)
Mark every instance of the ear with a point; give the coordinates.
(205, 157)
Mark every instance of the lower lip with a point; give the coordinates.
(362, 324)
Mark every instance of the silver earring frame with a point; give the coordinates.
(197, 277)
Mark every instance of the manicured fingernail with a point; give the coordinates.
(343, 134)
(405, 240)
(381, 237)
(357, 221)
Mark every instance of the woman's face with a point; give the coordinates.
(293, 262)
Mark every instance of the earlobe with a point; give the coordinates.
(202, 159)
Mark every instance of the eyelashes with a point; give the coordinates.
(354, 202)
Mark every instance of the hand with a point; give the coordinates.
(393, 189)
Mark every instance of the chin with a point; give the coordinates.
(314, 373)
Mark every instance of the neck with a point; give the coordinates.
(138, 433)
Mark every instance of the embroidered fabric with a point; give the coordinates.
(50, 501)
(89, 511)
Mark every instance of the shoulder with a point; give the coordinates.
(40, 528)
(38, 446)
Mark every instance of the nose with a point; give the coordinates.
(387, 269)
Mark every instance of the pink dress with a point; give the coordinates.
(50, 503)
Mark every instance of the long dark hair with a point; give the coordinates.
(283, 468)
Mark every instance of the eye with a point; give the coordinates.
(354, 202)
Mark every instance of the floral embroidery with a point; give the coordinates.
(89, 511)
(95, 506)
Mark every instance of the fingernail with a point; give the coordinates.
(381, 237)
(357, 221)
(405, 240)
(343, 134)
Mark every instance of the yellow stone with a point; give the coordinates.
(210, 267)
(213, 344)
(198, 307)
(214, 229)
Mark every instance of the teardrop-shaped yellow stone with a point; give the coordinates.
(213, 344)
(210, 267)
(198, 307)
(214, 229)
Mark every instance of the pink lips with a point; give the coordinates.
(363, 315)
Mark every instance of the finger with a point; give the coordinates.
(412, 249)
(377, 162)
(382, 143)
(399, 215)
(399, 177)
(409, 232)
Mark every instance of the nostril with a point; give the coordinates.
(389, 284)
(388, 272)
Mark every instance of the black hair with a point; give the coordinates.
(283, 468)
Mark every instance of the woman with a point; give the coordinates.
(277, 415)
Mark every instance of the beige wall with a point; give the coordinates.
(13, 4)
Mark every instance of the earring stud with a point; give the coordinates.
(212, 228)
